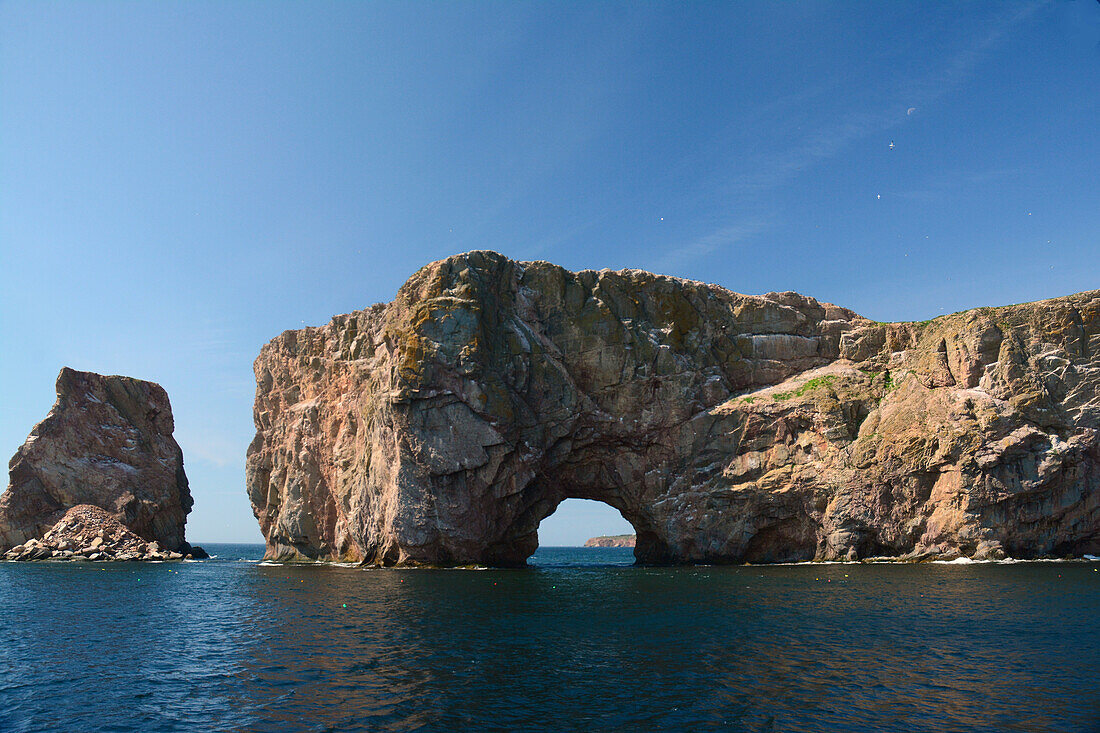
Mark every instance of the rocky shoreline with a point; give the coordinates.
(439, 430)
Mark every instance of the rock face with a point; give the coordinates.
(108, 443)
(619, 540)
(443, 427)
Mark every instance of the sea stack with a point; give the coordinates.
(103, 459)
(443, 427)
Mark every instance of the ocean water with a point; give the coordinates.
(581, 641)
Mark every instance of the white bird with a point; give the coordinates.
(891, 144)
(910, 111)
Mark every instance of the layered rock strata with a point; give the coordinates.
(107, 442)
(619, 540)
(443, 427)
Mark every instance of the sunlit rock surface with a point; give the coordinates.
(443, 427)
(107, 442)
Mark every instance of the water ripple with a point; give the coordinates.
(579, 642)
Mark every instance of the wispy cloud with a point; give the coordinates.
(954, 179)
(960, 67)
(920, 92)
(770, 171)
(719, 239)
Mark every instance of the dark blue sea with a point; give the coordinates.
(581, 641)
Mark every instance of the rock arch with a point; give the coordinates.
(442, 427)
(520, 539)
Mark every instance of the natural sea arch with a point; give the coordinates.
(525, 533)
(444, 427)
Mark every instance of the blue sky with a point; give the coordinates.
(180, 182)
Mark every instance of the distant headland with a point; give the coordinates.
(617, 540)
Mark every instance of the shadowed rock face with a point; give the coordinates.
(443, 427)
(108, 443)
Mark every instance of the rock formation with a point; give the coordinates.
(87, 532)
(107, 443)
(443, 427)
(618, 540)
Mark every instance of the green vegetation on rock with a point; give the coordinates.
(810, 385)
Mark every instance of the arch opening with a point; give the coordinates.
(578, 522)
(574, 521)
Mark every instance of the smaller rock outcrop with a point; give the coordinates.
(87, 532)
(618, 540)
(106, 443)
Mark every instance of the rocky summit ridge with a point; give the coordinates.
(441, 428)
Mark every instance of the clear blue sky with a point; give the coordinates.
(181, 181)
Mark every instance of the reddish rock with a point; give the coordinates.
(443, 427)
(107, 443)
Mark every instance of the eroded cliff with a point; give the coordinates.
(443, 427)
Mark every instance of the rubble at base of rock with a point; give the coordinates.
(87, 533)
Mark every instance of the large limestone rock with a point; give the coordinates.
(108, 443)
(442, 427)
